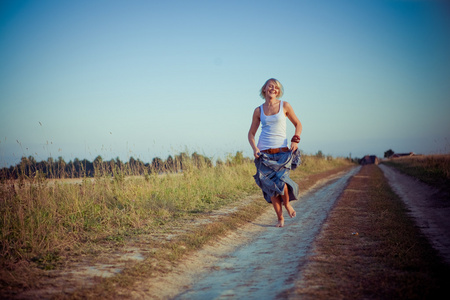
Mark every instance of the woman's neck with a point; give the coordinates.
(271, 101)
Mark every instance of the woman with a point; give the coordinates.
(273, 158)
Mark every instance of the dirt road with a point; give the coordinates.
(430, 214)
(264, 262)
(258, 262)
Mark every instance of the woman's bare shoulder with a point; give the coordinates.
(286, 105)
(287, 108)
(257, 113)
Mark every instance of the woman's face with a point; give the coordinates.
(272, 90)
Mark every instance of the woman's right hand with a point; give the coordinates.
(256, 152)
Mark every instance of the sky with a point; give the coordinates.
(147, 79)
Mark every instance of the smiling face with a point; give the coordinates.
(272, 89)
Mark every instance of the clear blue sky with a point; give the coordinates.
(152, 78)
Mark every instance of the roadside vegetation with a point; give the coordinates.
(431, 169)
(44, 222)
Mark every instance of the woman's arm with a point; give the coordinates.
(289, 111)
(252, 132)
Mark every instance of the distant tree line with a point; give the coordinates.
(50, 168)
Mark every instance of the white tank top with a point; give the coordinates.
(273, 130)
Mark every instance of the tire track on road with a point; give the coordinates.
(268, 262)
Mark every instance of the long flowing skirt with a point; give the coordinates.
(272, 173)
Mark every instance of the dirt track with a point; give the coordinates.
(259, 261)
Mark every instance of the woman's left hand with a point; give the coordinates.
(294, 146)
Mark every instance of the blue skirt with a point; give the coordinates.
(272, 173)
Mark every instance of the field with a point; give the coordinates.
(47, 225)
(431, 169)
(45, 222)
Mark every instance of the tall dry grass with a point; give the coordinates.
(431, 169)
(41, 219)
(38, 218)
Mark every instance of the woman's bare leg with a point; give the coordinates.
(286, 203)
(277, 205)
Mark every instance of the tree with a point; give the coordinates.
(61, 167)
(181, 161)
(50, 167)
(170, 164)
(98, 165)
(71, 169)
(388, 153)
(23, 166)
(88, 168)
(157, 165)
(31, 166)
(237, 159)
(319, 154)
(77, 168)
(111, 164)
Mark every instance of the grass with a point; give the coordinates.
(371, 249)
(38, 218)
(43, 223)
(166, 257)
(431, 169)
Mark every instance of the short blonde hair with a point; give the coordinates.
(263, 94)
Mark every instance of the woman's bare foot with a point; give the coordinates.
(280, 223)
(290, 210)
